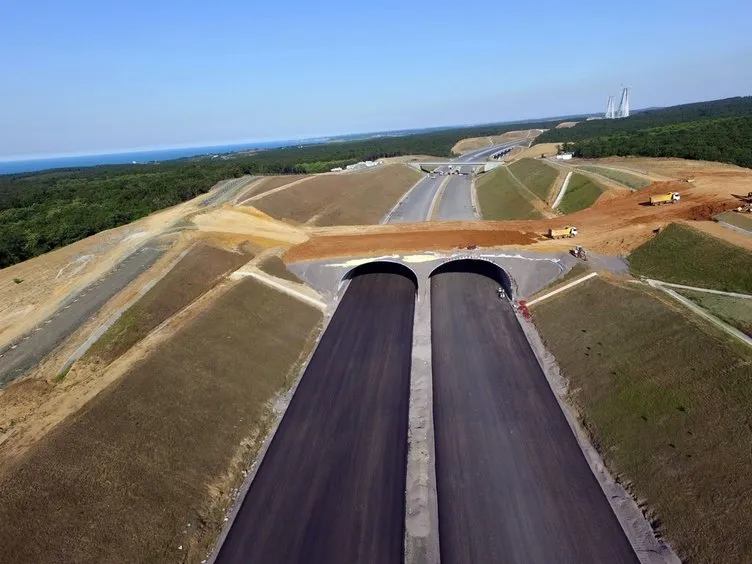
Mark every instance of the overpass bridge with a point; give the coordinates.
(429, 166)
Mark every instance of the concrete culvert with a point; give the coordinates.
(382, 267)
(478, 266)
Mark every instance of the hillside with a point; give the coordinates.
(714, 109)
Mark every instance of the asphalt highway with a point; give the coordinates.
(415, 207)
(332, 484)
(457, 201)
(513, 485)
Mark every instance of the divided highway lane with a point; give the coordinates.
(332, 484)
(457, 200)
(513, 485)
(416, 206)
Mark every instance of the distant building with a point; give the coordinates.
(564, 157)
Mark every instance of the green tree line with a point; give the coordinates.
(700, 111)
(726, 140)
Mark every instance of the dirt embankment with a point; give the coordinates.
(567, 124)
(613, 225)
(145, 471)
(353, 198)
(475, 143)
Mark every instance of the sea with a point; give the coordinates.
(159, 155)
(141, 157)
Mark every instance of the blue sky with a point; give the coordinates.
(87, 76)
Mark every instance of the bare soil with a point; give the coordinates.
(667, 400)
(270, 183)
(475, 143)
(196, 273)
(567, 124)
(614, 225)
(144, 472)
(276, 267)
(343, 199)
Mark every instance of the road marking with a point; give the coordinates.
(564, 287)
(265, 279)
(437, 198)
(387, 218)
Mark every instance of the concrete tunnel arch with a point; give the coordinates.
(480, 266)
(381, 267)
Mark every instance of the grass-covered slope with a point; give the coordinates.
(582, 193)
(536, 175)
(683, 255)
(667, 401)
(500, 198)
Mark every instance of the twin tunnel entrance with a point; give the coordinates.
(468, 266)
(332, 485)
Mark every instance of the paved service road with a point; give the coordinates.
(513, 485)
(331, 488)
(32, 348)
(457, 201)
(416, 206)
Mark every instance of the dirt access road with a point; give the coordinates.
(20, 356)
(331, 486)
(513, 484)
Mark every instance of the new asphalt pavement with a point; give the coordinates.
(513, 484)
(331, 488)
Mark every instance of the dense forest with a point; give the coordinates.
(42, 211)
(700, 111)
(726, 140)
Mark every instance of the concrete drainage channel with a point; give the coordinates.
(528, 274)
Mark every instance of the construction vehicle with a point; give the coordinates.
(667, 198)
(746, 208)
(563, 232)
(579, 252)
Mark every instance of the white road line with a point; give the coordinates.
(564, 287)
(436, 198)
(279, 286)
(389, 215)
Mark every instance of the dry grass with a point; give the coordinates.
(343, 199)
(667, 401)
(270, 183)
(475, 143)
(276, 267)
(122, 480)
(740, 220)
(195, 274)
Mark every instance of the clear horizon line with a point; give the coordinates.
(210, 145)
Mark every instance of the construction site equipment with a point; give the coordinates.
(668, 198)
(579, 252)
(746, 208)
(563, 232)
